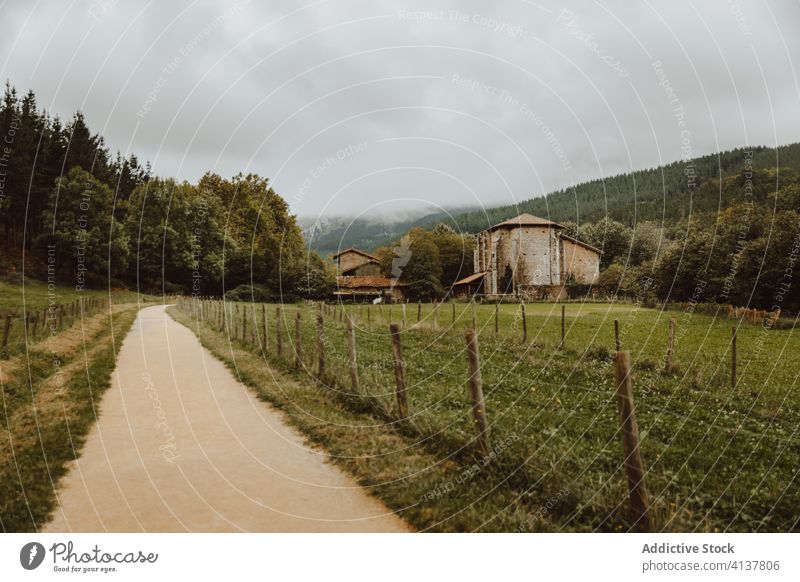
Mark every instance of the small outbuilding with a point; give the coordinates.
(359, 278)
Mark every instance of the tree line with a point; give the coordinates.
(747, 253)
(672, 192)
(86, 217)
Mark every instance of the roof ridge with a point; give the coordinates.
(526, 219)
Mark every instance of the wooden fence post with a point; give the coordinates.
(279, 330)
(670, 345)
(634, 468)
(321, 346)
(351, 353)
(399, 372)
(497, 318)
(36, 322)
(298, 354)
(524, 323)
(476, 390)
(265, 325)
(404, 314)
(453, 303)
(474, 314)
(6, 330)
(733, 357)
(253, 328)
(419, 311)
(616, 334)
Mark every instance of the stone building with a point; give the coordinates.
(529, 256)
(355, 262)
(358, 278)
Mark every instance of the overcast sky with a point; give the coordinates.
(381, 107)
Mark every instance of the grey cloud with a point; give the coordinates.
(457, 102)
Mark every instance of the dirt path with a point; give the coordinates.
(181, 445)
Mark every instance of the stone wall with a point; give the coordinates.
(350, 260)
(534, 255)
(532, 252)
(367, 270)
(580, 264)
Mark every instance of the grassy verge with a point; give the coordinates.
(34, 311)
(33, 295)
(50, 396)
(717, 458)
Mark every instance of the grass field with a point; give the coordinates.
(35, 295)
(50, 389)
(32, 312)
(717, 458)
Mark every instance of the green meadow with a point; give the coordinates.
(717, 457)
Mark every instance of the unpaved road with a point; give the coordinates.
(181, 445)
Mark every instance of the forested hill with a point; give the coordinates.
(670, 192)
(72, 211)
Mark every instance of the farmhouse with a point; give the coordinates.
(528, 256)
(358, 278)
(353, 262)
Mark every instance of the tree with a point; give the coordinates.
(86, 150)
(174, 237)
(88, 246)
(647, 238)
(610, 236)
(263, 243)
(9, 201)
(424, 270)
(455, 254)
(320, 278)
(610, 280)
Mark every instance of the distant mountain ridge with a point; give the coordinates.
(331, 235)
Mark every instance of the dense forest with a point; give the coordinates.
(745, 254)
(669, 193)
(77, 214)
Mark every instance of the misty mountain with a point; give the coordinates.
(328, 236)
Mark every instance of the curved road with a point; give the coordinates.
(181, 445)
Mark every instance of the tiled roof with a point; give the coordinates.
(525, 220)
(581, 243)
(360, 252)
(359, 282)
(471, 279)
